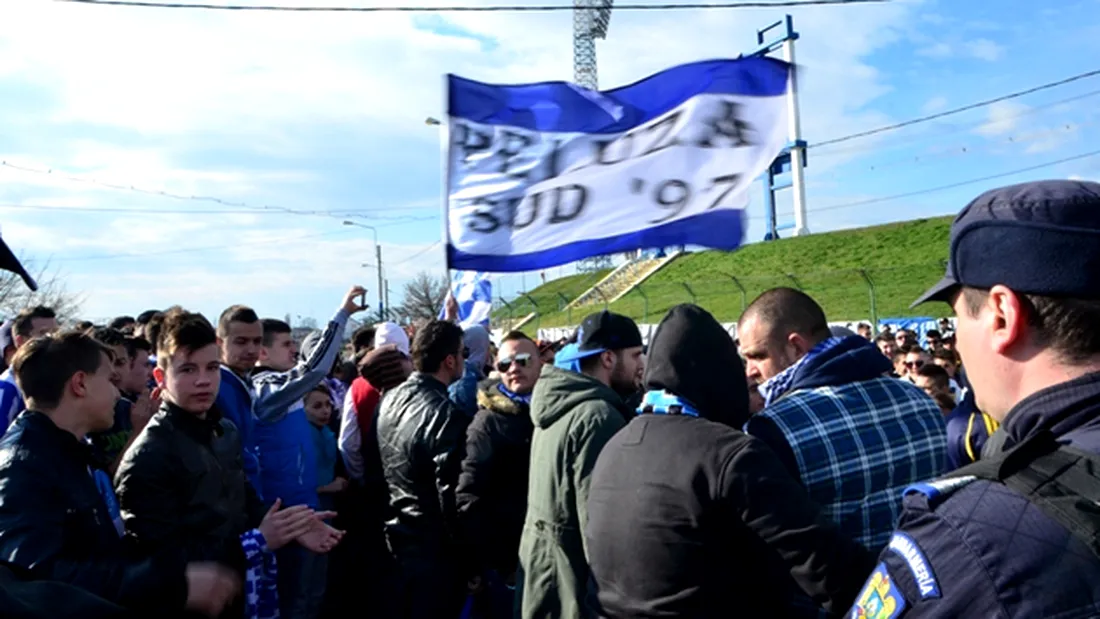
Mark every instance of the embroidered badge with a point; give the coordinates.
(880, 599)
(907, 549)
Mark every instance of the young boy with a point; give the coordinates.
(240, 337)
(283, 437)
(54, 520)
(181, 485)
(132, 411)
(318, 404)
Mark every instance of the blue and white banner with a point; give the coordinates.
(474, 293)
(544, 174)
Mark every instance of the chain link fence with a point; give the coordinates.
(846, 295)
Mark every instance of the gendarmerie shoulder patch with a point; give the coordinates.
(904, 546)
(880, 598)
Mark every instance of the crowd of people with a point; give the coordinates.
(167, 465)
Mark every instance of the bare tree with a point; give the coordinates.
(52, 292)
(424, 296)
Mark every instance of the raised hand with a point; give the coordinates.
(351, 299)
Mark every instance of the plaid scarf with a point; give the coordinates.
(778, 385)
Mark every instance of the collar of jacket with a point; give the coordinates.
(852, 359)
(40, 433)
(244, 382)
(1059, 409)
(198, 428)
(491, 398)
(428, 381)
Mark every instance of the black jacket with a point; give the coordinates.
(24, 597)
(54, 523)
(421, 442)
(182, 485)
(691, 517)
(492, 489)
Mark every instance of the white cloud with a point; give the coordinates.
(980, 49)
(244, 79)
(935, 104)
(1003, 118)
(937, 50)
(984, 49)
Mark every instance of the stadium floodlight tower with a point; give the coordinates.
(590, 21)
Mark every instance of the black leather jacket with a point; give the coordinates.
(421, 440)
(182, 485)
(55, 524)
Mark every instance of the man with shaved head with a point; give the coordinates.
(855, 437)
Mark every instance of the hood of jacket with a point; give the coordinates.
(852, 360)
(490, 398)
(476, 338)
(559, 391)
(693, 357)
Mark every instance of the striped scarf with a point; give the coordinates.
(260, 594)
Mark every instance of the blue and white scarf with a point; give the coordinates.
(776, 386)
(261, 596)
(513, 396)
(665, 403)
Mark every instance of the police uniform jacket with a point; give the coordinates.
(975, 548)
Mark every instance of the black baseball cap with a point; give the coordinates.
(603, 331)
(1040, 238)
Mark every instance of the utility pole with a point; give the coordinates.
(386, 287)
(382, 303)
(378, 263)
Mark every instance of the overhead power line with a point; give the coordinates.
(188, 250)
(958, 110)
(972, 181)
(417, 254)
(955, 129)
(393, 221)
(249, 208)
(510, 8)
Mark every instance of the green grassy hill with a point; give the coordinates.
(901, 259)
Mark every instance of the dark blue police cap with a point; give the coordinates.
(1040, 238)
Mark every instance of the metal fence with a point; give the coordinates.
(846, 295)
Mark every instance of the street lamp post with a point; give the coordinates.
(378, 263)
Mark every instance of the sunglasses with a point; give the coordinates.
(916, 365)
(521, 360)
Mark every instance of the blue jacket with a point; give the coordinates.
(288, 458)
(11, 399)
(854, 437)
(236, 400)
(463, 391)
(975, 548)
(967, 431)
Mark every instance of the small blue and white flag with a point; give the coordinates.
(474, 293)
(544, 174)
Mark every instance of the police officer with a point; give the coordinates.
(1024, 280)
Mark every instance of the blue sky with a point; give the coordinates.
(325, 114)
